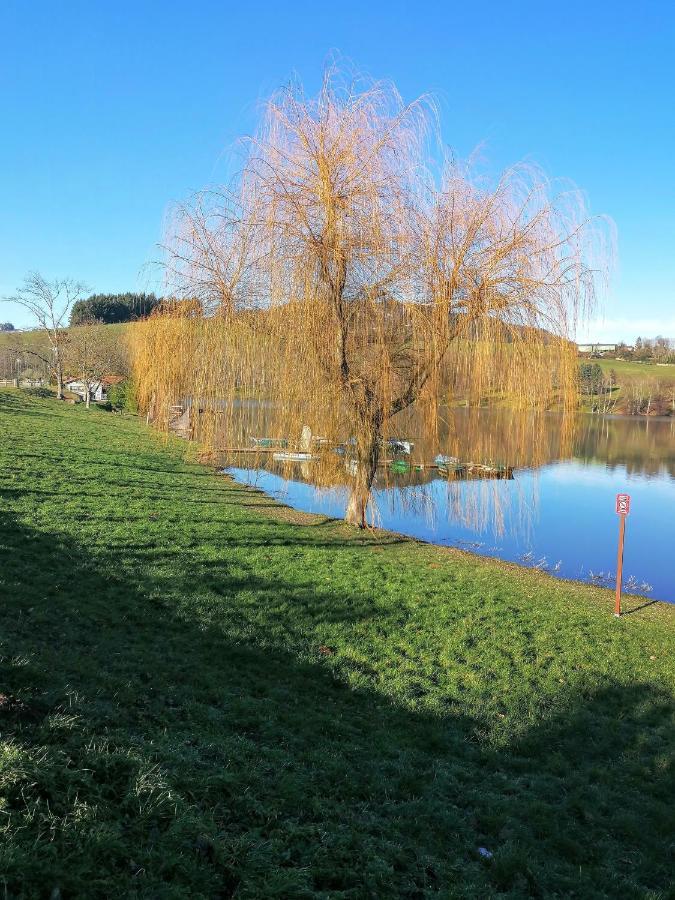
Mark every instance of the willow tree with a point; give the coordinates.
(352, 273)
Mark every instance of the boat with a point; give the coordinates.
(293, 456)
(443, 460)
(452, 467)
(400, 446)
(400, 466)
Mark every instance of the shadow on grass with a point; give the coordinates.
(156, 744)
(635, 609)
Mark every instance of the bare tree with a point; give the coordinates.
(91, 353)
(362, 280)
(49, 302)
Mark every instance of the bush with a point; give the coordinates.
(41, 392)
(122, 396)
(590, 378)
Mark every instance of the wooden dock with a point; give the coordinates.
(467, 471)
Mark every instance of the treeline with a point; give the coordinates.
(659, 350)
(109, 309)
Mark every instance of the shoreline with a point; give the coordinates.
(632, 602)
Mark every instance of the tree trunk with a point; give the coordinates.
(87, 396)
(151, 409)
(367, 458)
(59, 381)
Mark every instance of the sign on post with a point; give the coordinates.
(622, 504)
(622, 510)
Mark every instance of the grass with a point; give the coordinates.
(627, 370)
(204, 694)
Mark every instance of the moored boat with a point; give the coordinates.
(292, 456)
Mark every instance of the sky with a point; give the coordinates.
(111, 112)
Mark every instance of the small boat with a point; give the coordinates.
(452, 470)
(451, 467)
(442, 460)
(293, 456)
(400, 466)
(480, 470)
(399, 445)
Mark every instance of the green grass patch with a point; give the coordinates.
(200, 697)
(627, 370)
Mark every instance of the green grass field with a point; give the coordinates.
(204, 694)
(627, 370)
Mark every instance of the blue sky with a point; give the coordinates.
(111, 111)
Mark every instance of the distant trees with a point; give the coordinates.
(112, 308)
(50, 302)
(599, 386)
(659, 349)
(7, 363)
(650, 397)
(6, 326)
(663, 349)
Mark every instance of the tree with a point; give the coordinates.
(346, 279)
(591, 378)
(92, 353)
(49, 302)
(112, 308)
(6, 326)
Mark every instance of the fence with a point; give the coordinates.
(22, 382)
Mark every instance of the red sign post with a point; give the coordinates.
(622, 510)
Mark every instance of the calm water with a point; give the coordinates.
(556, 514)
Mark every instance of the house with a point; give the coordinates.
(98, 390)
(597, 348)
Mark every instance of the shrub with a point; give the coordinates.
(42, 392)
(122, 396)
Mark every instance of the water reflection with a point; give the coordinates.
(640, 446)
(556, 514)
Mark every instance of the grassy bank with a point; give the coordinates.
(629, 370)
(203, 694)
(635, 381)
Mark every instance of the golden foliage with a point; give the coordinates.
(353, 272)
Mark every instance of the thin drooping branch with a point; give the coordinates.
(357, 278)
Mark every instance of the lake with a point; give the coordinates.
(556, 514)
